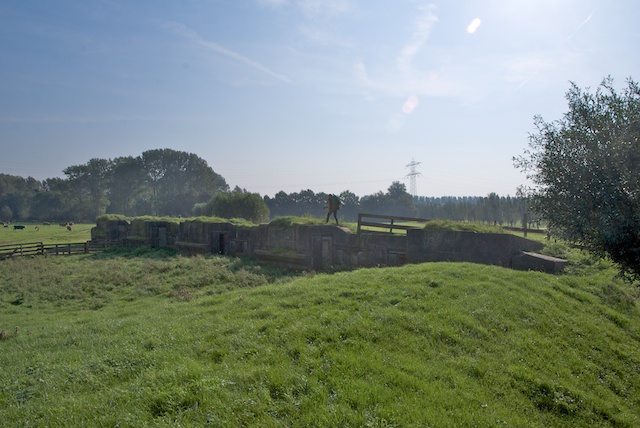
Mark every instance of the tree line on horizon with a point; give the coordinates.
(503, 210)
(166, 182)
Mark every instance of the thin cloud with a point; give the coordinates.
(523, 68)
(421, 33)
(324, 7)
(312, 8)
(580, 26)
(321, 37)
(540, 66)
(186, 32)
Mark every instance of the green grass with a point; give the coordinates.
(148, 338)
(463, 225)
(53, 234)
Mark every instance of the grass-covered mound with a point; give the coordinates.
(290, 221)
(463, 226)
(284, 221)
(148, 338)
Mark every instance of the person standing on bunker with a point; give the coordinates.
(333, 205)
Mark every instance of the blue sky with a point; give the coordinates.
(327, 95)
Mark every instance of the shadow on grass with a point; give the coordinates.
(137, 252)
(233, 264)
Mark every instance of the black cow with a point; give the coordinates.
(18, 227)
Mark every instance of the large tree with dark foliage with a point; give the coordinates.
(395, 202)
(178, 180)
(128, 192)
(585, 170)
(15, 196)
(89, 184)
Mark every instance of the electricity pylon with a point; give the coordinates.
(412, 177)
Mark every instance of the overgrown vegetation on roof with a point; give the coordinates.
(463, 225)
(288, 221)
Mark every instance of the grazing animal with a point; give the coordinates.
(46, 223)
(69, 227)
(18, 227)
(63, 224)
(37, 228)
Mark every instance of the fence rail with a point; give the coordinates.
(39, 248)
(387, 223)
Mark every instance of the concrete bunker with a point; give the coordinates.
(323, 247)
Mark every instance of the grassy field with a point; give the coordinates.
(148, 338)
(53, 234)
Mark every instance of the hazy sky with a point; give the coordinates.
(327, 95)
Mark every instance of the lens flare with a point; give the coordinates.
(410, 105)
(473, 26)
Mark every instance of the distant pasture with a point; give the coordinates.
(38, 232)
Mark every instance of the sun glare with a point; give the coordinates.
(473, 26)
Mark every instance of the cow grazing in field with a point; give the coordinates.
(63, 224)
(37, 228)
(69, 228)
(46, 223)
(18, 227)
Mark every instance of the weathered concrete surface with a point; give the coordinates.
(462, 246)
(322, 247)
(539, 262)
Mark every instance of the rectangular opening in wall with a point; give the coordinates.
(221, 243)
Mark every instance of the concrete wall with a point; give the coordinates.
(461, 246)
(322, 247)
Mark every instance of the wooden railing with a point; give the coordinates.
(387, 223)
(39, 248)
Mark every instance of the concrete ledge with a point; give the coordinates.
(538, 262)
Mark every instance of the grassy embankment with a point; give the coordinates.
(148, 338)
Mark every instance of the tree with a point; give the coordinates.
(249, 206)
(16, 193)
(373, 204)
(128, 187)
(179, 180)
(6, 214)
(350, 205)
(89, 183)
(585, 170)
(399, 201)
